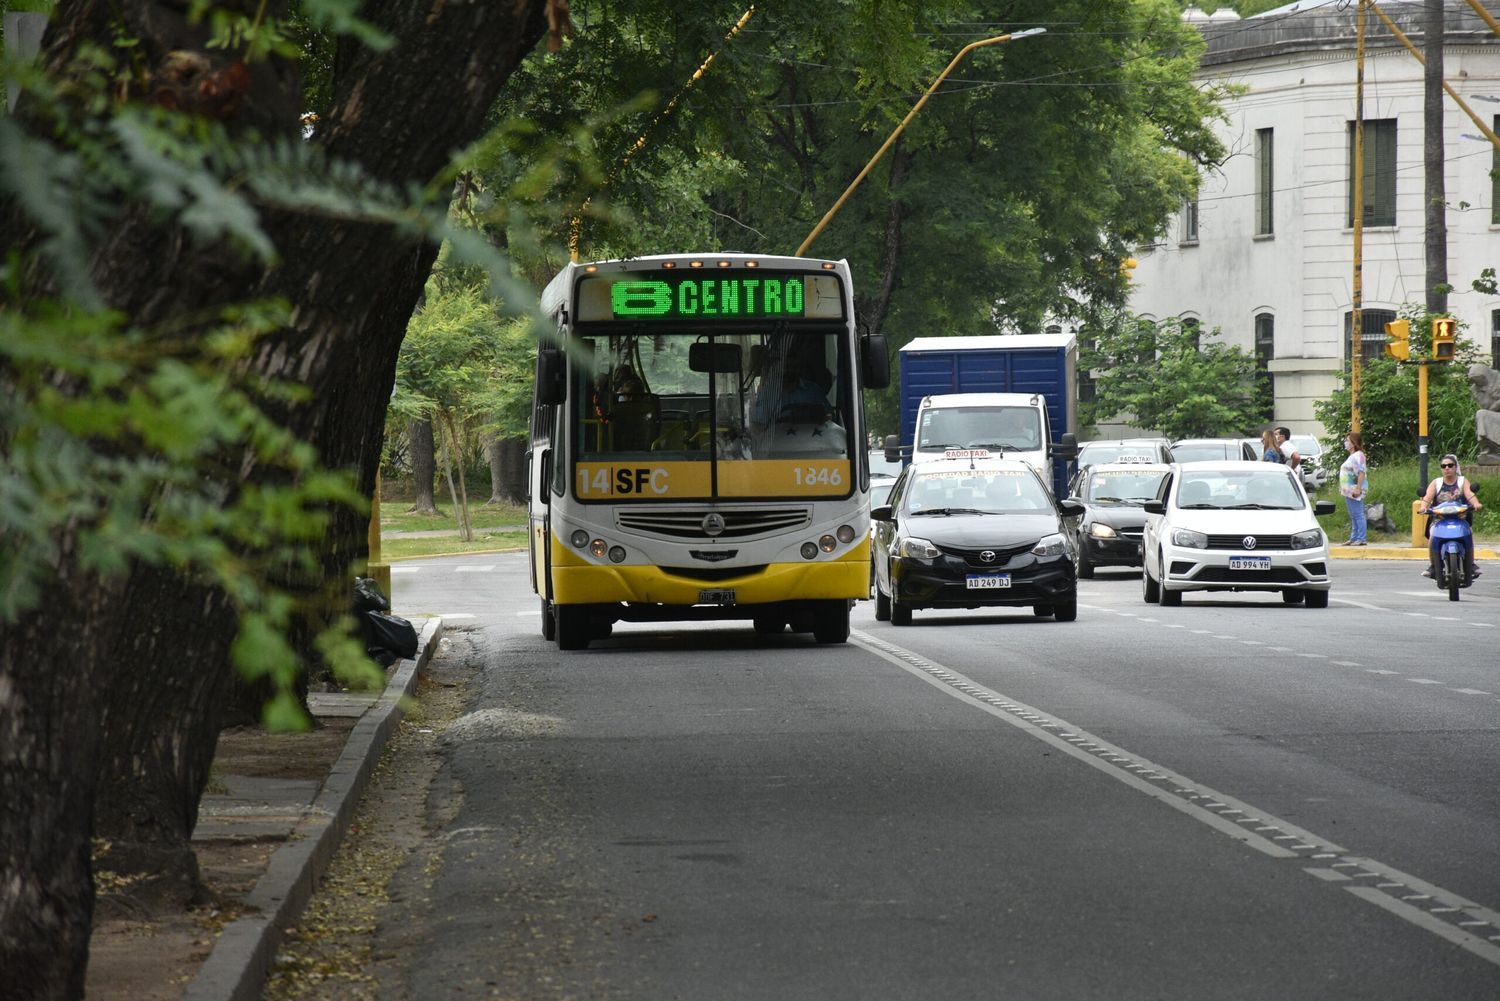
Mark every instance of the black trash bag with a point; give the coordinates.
(391, 634)
(367, 596)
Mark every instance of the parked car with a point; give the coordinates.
(1093, 453)
(1311, 451)
(1210, 449)
(1113, 495)
(1234, 526)
(973, 533)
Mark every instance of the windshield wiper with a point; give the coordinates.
(1200, 507)
(1258, 507)
(999, 445)
(951, 510)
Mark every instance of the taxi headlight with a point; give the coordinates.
(919, 549)
(1310, 539)
(1051, 545)
(1189, 539)
(1099, 530)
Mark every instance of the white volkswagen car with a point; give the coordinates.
(1234, 526)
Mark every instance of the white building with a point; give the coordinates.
(1266, 252)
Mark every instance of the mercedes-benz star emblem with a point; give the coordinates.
(713, 524)
(988, 556)
(1248, 542)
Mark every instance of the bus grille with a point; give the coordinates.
(687, 523)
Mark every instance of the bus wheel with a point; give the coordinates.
(574, 630)
(549, 623)
(769, 625)
(832, 625)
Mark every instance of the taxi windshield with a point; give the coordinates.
(1122, 486)
(1271, 490)
(969, 491)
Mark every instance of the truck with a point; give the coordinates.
(991, 374)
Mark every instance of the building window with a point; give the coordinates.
(1265, 181)
(1379, 189)
(1372, 332)
(1265, 351)
(1193, 327)
(1495, 339)
(1190, 218)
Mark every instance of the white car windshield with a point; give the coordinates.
(968, 491)
(1252, 490)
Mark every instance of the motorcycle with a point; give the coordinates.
(1451, 530)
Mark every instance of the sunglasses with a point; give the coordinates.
(1447, 465)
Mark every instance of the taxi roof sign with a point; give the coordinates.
(966, 453)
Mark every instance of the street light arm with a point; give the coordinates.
(896, 134)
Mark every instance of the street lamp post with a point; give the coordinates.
(828, 216)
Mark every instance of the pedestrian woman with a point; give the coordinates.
(1353, 484)
(1269, 450)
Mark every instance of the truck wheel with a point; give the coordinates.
(833, 623)
(549, 622)
(574, 630)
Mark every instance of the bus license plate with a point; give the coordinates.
(1249, 562)
(988, 581)
(722, 596)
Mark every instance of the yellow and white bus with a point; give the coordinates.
(698, 446)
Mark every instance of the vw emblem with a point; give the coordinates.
(1248, 542)
(988, 556)
(713, 524)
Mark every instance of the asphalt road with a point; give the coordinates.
(1231, 799)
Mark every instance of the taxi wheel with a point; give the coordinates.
(900, 614)
(1040, 610)
(1085, 568)
(1066, 611)
(1292, 596)
(882, 606)
(1150, 589)
(1317, 599)
(1170, 598)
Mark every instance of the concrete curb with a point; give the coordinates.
(241, 960)
(1395, 553)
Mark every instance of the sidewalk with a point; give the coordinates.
(1398, 551)
(275, 811)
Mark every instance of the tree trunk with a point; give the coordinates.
(1435, 191)
(353, 285)
(423, 467)
(493, 455)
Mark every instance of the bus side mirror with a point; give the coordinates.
(1066, 447)
(551, 386)
(874, 362)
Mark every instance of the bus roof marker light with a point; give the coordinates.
(695, 264)
(591, 268)
(752, 264)
(669, 265)
(829, 265)
(723, 264)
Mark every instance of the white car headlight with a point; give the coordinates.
(1189, 539)
(1051, 545)
(1311, 539)
(1099, 530)
(919, 549)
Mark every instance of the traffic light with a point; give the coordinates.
(1444, 338)
(1398, 340)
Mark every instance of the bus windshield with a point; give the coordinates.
(674, 395)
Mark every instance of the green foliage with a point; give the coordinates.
(1168, 377)
(1388, 402)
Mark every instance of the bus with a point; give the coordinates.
(698, 446)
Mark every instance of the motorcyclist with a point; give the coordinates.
(1450, 487)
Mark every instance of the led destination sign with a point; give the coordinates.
(667, 295)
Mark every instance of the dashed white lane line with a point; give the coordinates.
(1432, 908)
(1376, 670)
(467, 615)
(1470, 691)
(1425, 681)
(473, 569)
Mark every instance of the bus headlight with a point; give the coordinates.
(828, 543)
(845, 534)
(617, 554)
(597, 547)
(580, 538)
(809, 551)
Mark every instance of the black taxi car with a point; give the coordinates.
(973, 532)
(1109, 533)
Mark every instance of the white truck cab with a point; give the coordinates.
(1006, 425)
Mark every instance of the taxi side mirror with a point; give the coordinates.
(882, 513)
(1321, 508)
(1071, 508)
(1160, 507)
